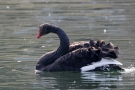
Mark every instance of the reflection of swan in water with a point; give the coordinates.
(93, 76)
(106, 81)
(104, 76)
(83, 80)
(76, 80)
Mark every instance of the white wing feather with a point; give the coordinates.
(103, 62)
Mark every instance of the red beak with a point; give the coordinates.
(38, 35)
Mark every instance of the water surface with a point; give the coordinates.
(81, 20)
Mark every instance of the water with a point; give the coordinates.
(111, 20)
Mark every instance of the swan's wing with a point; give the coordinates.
(103, 62)
(77, 45)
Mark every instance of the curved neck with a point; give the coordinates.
(64, 41)
(50, 57)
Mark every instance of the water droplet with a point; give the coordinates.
(104, 30)
(19, 61)
(74, 82)
(46, 1)
(49, 14)
(7, 7)
(14, 70)
(59, 20)
(43, 46)
(25, 50)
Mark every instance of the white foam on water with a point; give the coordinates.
(129, 70)
(38, 71)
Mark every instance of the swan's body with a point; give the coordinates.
(74, 60)
(75, 56)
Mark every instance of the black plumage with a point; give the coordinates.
(72, 57)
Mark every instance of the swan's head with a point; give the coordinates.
(44, 29)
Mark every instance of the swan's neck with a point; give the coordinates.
(64, 41)
(50, 57)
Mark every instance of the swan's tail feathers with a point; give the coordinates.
(103, 62)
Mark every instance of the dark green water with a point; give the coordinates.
(81, 20)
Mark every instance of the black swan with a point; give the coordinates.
(78, 56)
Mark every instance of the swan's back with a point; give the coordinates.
(96, 44)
